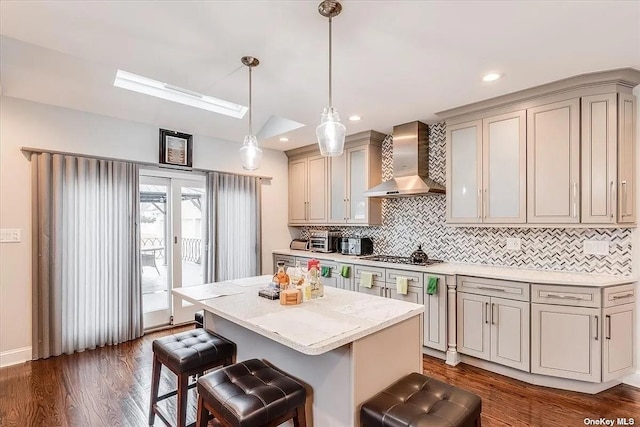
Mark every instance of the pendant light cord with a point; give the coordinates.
(250, 107)
(330, 97)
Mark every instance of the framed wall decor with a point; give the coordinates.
(175, 148)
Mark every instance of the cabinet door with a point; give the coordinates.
(435, 315)
(345, 282)
(298, 191)
(338, 189)
(618, 351)
(504, 164)
(317, 189)
(553, 163)
(626, 158)
(474, 328)
(599, 158)
(334, 279)
(566, 342)
(357, 184)
(510, 333)
(375, 289)
(464, 175)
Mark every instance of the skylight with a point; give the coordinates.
(141, 84)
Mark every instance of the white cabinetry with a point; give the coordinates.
(486, 170)
(493, 320)
(618, 351)
(626, 158)
(435, 315)
(308, 190)
(553, 163)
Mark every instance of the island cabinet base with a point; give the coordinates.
(338, 381)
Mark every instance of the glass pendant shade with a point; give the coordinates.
(331, 133)
(250, 153)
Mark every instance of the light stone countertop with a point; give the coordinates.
(247, 305)
(516, 274)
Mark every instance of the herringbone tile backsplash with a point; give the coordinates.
(410, 221)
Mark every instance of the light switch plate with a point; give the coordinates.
(514, 244)
(8, 235)
(596, 247)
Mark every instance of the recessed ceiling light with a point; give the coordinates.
(355, 118)
(284, 139)
(491, 77)
(142, 84)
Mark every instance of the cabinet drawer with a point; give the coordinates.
(618, 295)
(413, 278)
(378, 274)
(289, 260)
(491, 287)
(574, 296)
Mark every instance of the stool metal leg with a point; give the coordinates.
(155, 384)
(183, 390)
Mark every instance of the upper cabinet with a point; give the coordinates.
(486, 170)
(308, 190)
(554, 155)
(330, 190)
(553, 163)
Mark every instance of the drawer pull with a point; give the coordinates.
(487, 288)
(630, 294)
(574, 297)
(410, 279)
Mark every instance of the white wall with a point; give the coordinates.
(24, 123)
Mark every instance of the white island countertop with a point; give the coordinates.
(313, 327)
(517, 274)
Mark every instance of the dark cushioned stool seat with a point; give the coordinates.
(186, 354)
(190, 350)
(420, 401)
(251, 394)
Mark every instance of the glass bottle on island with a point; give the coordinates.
(317, 288)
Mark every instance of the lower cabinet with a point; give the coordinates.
(435, 315)
(566, 341)
(289, 261)
(618, 351)
(494, 329)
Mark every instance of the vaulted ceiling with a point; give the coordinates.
(394, 61)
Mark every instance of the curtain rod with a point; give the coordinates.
(30, 150)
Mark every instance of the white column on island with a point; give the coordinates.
(453, 357)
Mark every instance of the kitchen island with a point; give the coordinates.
(345, 347)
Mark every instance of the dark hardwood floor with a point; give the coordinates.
(109, 386)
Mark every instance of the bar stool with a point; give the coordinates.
(186, 354)
(250, 394)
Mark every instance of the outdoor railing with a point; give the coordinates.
(191, 248)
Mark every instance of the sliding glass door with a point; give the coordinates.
(172, 248)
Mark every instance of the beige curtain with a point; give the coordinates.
(233, 229)
(86, 267)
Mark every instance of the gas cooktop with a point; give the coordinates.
(399, 260)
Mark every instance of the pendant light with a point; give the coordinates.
(331, 131)
(250, 153)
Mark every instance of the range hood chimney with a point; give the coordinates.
(410, 165)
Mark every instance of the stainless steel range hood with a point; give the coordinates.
(410, 165)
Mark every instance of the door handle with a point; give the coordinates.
(486, 313)
(624, 197)
(607, 318)
(484, 204)
(597, 327)
(575, 199)
(479, 202)
(492, 307)
(175, 240)
(612, 198)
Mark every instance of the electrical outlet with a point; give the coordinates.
(514, 244)
(596, 247)
(9, 235)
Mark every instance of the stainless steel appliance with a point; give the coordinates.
(324, 240)
(356, 246)
(299, 245)
(410, 164)
(400, 260)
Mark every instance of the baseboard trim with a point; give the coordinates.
(15, 356)
(632, 380)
